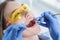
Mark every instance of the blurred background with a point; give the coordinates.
(39, 6)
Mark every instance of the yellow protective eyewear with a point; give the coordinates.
(18, 13)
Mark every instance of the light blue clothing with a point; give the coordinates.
(45, 36)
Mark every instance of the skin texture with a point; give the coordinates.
(30, 32)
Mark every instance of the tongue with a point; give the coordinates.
(31, 23)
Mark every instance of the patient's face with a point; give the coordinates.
(28, 19)
(32, 26)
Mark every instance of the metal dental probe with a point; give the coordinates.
(55, 14)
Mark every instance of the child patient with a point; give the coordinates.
(32, 28)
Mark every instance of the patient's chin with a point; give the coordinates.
(31, 31)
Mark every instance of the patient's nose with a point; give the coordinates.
(29, 16)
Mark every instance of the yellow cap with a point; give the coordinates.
(18, 13)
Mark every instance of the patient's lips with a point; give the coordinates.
(31, 24)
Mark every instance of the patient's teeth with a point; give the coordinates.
(31, 23)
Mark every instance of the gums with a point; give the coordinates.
(32, 22)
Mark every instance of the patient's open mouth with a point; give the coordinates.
(32, 23)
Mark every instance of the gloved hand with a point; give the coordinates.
(51, 23)
(14, 32)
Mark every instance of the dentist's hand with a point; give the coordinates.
(51, 23)
(14, 32)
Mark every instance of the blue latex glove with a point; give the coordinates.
(51, 23)
(14, 32)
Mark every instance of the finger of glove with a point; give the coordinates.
(44, 22)
(41, 21)
(20, 27)
(12, 32)
(8, 36)
(8, 30)
(12, 35)
(51, 13)
(48, 16)
(47, 23)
